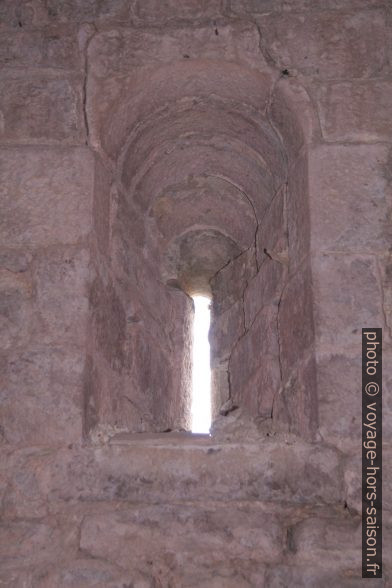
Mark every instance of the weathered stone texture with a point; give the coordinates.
(60, 281)
(264, 289)
(228, 329)
(385, 266)
(295, 408)
(296, 299)
(118, 51)
(154, 149)
(46, 196)
(339, 378)
(33, 542)
(143, 468)
(255, 7)
(94, 489)
(85, 572)
(308, 576)
(272, 230)
(82, 11)
(347, 111)
(344, 5)
(17, 14)
(133, 537)
(347, 296)
(41, 110)
(212, 202)
(104, 195)
(351, 185)
(262, 335)
(320, 44)
(154, 11)
(41, 395)
(15, 305)
(320, 538)
(298, 217)
(54, 48)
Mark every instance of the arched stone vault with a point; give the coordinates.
(204, 177)
(145, 145)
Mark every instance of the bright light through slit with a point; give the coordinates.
(201, 372)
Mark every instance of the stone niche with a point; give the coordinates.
(201, 187)
(151, 150)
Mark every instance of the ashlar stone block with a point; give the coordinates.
(41, 110)
(347, 111)
(326, 44)
(46, 196)
(350, 184)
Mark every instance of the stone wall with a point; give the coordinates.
(150, 150)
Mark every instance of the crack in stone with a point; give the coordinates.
(85, 109)
(144, 416)
(85, 80)
(279, 339)
(263, 50)
(284, 286)
(227, 263)
(247, 198)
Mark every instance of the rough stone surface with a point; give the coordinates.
(320, 44)
(298, 218)
(46, 196)
(296, 299)
(134, 468)
(347, 112)
(254, 7)
(341, 312)
(264, 289)
(41, 400)
(41, 110)
(337, 373)
(150, 150)
(153, 11)
(272, 231)
(351, 184)
(55, 48)
(262, 335)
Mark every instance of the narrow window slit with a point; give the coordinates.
(201, 371)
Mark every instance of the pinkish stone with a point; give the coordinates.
(54, 196)
(347, 111)
(41, 110)
(54, 48)
(347, 297)
(320, 44)
(154, 11)
(350, 183)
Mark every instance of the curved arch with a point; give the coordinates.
(206, 159)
